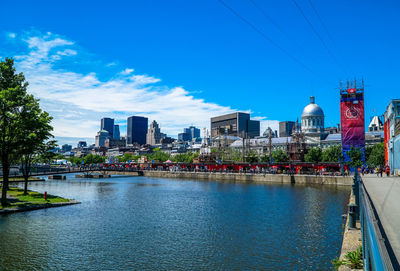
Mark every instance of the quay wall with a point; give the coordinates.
(246, 177)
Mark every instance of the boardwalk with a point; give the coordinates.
(385, 195)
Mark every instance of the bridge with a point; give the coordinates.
(378, 209)
(44, 171)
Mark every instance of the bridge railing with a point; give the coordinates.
(375, 246)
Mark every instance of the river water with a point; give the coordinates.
(141, 223)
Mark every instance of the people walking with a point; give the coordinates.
(387, 170)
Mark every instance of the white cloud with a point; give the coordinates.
(111, 64)
(126, 71)
(67, 52)
(78, 100)
(11, 35)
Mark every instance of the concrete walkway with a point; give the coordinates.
(385, 194)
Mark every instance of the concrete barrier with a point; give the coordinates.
(246, 177)
(57, 177)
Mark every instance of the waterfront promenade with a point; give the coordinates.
(385, 195)
(242, 177)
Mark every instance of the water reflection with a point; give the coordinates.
(143, 223)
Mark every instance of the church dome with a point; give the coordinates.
(312, 118)
(312, 110)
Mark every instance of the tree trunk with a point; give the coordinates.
(25, 172)
(6, 172)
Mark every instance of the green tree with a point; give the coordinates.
(314, 155)
(75, 160)
(377, 155)
(29, 152)
(13, 101)
(94, 159)
(184, 157)
(332, 154)
(355, 154)
(48, 155)
(126, 157)
(57, 156)
(159, 155)
(252, 157)
(34, 129)
(279, 156)
(234, 155)
(368, 150)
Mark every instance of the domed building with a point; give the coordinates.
(312, 118)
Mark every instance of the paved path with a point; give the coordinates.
(385, 194)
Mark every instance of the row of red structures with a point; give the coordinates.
(298, 168)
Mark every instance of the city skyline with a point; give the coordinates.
(81, 78)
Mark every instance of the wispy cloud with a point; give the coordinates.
(11, 35)
(78, 100)
(127, 71)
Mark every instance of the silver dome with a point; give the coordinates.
(312, 110)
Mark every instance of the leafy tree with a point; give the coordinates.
(265, 158)
(368, 150)
(234, 155)
(13, 102)
(332, 154)
(355, 154)
(58, 156)
(46, 157)
(30, 151)
(94, 159)
(314, 155)
(377, 155)
(279, 156)
(75, 160)
(127, 157)
(252, 157)
(214, 150)
(184, 157)
(159, 156)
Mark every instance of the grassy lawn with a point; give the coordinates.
(17, 198)
(13, 179)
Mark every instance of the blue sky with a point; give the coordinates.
(182, 61)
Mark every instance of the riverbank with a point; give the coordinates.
(33, 201)
(21, 179)
(244, 177)
(351, 240)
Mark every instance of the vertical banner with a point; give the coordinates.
(386, 134)
(353, 126)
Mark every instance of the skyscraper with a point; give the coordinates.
(153, 134)
(286, 128)
(116, 134)
(108, 125)
(136, 130)
(189, 134)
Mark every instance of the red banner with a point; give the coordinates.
(353, 127)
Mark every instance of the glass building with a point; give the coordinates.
(108, 125)
(136, 130)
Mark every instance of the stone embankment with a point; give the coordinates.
(351, 239)
(36, 207)
(245, 177)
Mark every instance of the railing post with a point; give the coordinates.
(352, 215)
(356, 193)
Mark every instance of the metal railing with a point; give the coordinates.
(377, 253)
